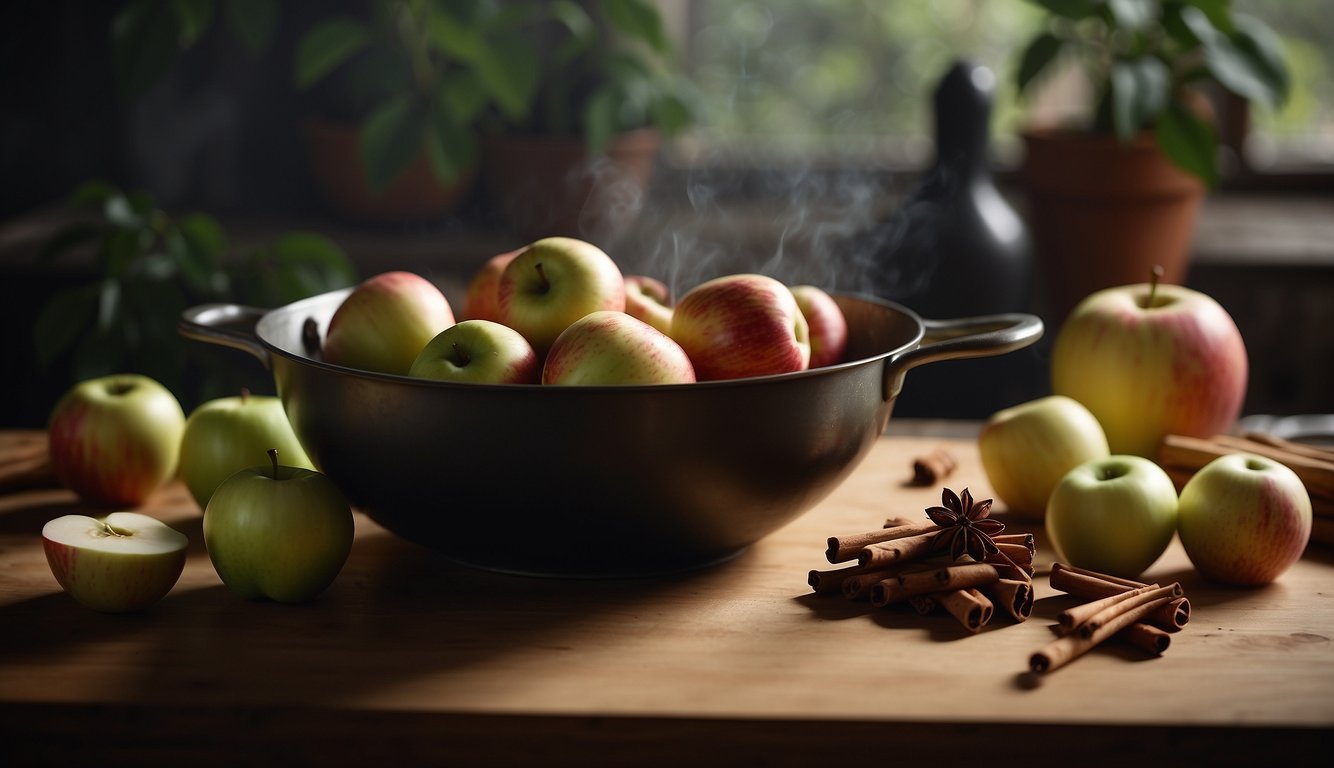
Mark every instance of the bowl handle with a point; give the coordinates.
(227, 325)
(963, 337)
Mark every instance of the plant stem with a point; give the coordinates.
(273, 458)
(1155, 275)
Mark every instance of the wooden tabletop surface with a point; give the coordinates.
(408, 656)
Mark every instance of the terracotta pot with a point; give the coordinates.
(1103, 213)
(545, 185)
(414, 195)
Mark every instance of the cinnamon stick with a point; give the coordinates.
(934, 465)
(1292, 446)
(1078, 615)
(859, 585)
(844, 548)
(969, 606)
(1135, 598)
(1172, 617)
(1026, 539)
(1087, 584)
(896, 550)
(1192, 453)
(923, 604)
(1014, 596)
(1067, 648)
(1146, 637)
(947, 578)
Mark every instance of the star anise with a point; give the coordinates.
(964, 526)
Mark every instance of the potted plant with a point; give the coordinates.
(599, 94)
(396, 99)
(1113, 197)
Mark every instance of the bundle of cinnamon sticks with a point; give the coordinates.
(1182, 456)
(1144, 615)
(898, 565)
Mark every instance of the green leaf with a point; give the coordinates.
(326, 46)
(204, 235)
(1189, 142)
(671, 114)
(1133, 14)
(62, 320)
(108, 304)
(638, 20)
(1264, 49)
(600, 119)
(145, 36)
(119, 249)
(182, 259)
(121, 212)
(390, 139)
(454, 39)
(92, 194)
(575, 19)
(297, 265)
(462, 95)
(450, 146)
(1070, 9)
(1239, 72)
(253, 22)
(1124, 113)
(1041, 51)
(1140, 91)
(194, 17)
(510, 70)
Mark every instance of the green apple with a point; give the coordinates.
(1244, 519)
(123, 562)
(224, 436)
(116, 439)
(612, 349)
(1026, 450)
(478, 351)
(1114, 515)
(385, 321)
(1151, 360)
(553, 282)
(278, 532)
(742, 325)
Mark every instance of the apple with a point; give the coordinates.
(650, 300)
(1244, 519)
(116, 439)
(1113, 515)
(224, 436)
(479, 351)
(613, 348)
(741, 325)
(1026, 449)
(385, 321)
(278, 532)
(123, 562)
(482, 300)
(553, 282)
(828, 327)
(1151, 360)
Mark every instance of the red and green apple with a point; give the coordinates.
(478, 351)
(741, 325)
(385, 321)
(123, 562)
(612, 348)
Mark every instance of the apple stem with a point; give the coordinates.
(245, 394)
(542, 275)
(1155, 275)
(460, 356)
(107, 530)
(273, 457)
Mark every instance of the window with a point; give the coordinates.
(827, 79)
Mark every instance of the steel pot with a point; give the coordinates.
(594, 481)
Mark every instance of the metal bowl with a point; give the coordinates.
(594, 481)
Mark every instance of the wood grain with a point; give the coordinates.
(408, 654)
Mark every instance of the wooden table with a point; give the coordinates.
(408, 656)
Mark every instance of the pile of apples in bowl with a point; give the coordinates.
(574, 421)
